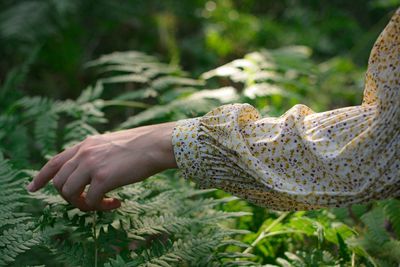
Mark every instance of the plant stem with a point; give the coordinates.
(125, 103)
(265, 232)
(95, 239)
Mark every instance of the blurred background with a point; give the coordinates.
(198, 35)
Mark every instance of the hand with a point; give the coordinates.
(105, 162)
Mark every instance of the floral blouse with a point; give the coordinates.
(304, 160)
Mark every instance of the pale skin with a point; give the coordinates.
(105, 162)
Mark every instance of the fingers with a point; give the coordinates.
(71, 185)
(105, 204)
(71, 181)
(94, 194)
(64, 173)
(71, 171)
(96, 200)
(51, 168)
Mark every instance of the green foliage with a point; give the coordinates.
(380, 239)
(279, 78)
(198, 34)
(157, 224)
(17, 235)
(165, 221)
(162, 221)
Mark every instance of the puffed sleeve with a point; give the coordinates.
(302, 159)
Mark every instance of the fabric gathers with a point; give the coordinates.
(304, 160)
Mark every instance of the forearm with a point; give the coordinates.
(155, 141)
(160, 136)
(108, 161)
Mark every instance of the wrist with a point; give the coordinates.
(162, 151)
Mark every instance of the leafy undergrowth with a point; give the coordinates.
(165, 220)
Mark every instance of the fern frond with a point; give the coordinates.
(218, 215)
(392, 211)
(15, 241)
(34, 106)
(16, 76)
(190, 106)
(138, 94)
(375, 222)
(48, 198)
(71, 254)
(11, 198)
(161, 224)
(45, 133)
(196, 250)
(118, 262)
(391, 251)
(76, 131)
(312, 258)
(164, 82)
(90, 94)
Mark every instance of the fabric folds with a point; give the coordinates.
(302, 159)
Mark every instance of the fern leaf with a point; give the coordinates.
(16, 241)
(118, 262)
(90, 94)
(392, 210)
(125, 78)
(45, 132)
(375, 222)
(166, 81)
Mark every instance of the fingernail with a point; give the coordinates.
(31, 187)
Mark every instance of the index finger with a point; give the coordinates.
(51, 168)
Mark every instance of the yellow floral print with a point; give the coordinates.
(304, 160)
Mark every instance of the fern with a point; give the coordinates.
(377, 245)
(140, 226)
(118, 262)
(15, 78)
(375, 221)
(391, 209)
(45, 132)
(197, 250)
(17, 235)
(165, 221)
(16, 241)
(305, 259)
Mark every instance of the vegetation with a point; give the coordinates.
(271, 55)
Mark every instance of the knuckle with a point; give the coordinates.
(85, 152)
(70, 164)
(91, 139)
(88, 139)
(91, 161)
(66, 192)
(100, 176)
(54, 162)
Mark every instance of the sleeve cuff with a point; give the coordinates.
(186, 147)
